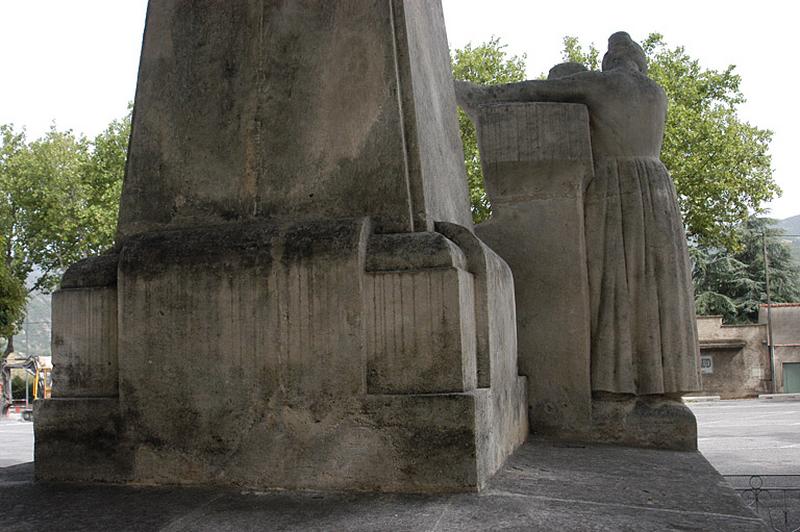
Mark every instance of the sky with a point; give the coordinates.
(75, 62)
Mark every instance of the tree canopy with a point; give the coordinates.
(720, 164)
(731, 283)
(12, 302)
(59, 196)
(487, 64)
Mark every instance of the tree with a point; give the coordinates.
(104, 174)
(59, 197)
(720, 164)
(573, 51)
(13, 297)
(487, 64)
(732, 283)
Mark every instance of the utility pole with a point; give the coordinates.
(770, 343)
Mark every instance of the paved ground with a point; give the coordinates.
(543, 487)
(16, 442)
(756, 445)
(750, 437)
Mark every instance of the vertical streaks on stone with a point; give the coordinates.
(421, 338)
(85, 342)
(397, 48)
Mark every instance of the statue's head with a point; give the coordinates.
(562, 70)
(624, 53)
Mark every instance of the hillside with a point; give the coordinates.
(791, 226)
(34, 338)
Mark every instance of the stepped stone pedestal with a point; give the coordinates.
(296, 298)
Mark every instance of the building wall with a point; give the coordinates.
(786, 334)
(739, 356)
(784, 355)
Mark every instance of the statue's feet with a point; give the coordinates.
(656, 421)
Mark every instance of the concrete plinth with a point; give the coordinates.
(298, 355)
(295, 298)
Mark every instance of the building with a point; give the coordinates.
(734, 359)
(785, 319)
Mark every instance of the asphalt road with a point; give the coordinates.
(16, 442)
(754, 437)
(757, 437)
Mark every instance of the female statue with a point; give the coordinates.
(643, 330)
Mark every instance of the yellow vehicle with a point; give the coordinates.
(42, 381)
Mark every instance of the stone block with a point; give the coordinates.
(495, 312)
(84, 331)
(249, 356)
(222, 328)
(534, 151)
(420, 331)
(537, 158)
(255, 355)
(79, 439)
(648, 421)
(303, 110)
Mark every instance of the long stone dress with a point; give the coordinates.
(644, 337)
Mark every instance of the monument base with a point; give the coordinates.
(412, 443)
(313, 355)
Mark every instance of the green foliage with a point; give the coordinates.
(720, 164)
(13, 297)
(732, 282)
(487, 64)
(104, 173)
(18, 388)
(58, 200)
(573, 51)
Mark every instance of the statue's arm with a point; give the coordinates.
(470, 96)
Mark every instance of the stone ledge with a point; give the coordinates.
(780, 396)
(702, 399)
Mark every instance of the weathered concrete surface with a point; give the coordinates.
(644, 421)
(420, 323)
(536, 159)
(280, 356)
(543, 487)
(279, 305)
(84, 342)
(302, 110)
(80, 439)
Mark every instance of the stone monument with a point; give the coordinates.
(296, 297)
(586, 216)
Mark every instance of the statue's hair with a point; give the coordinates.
(621, 44)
